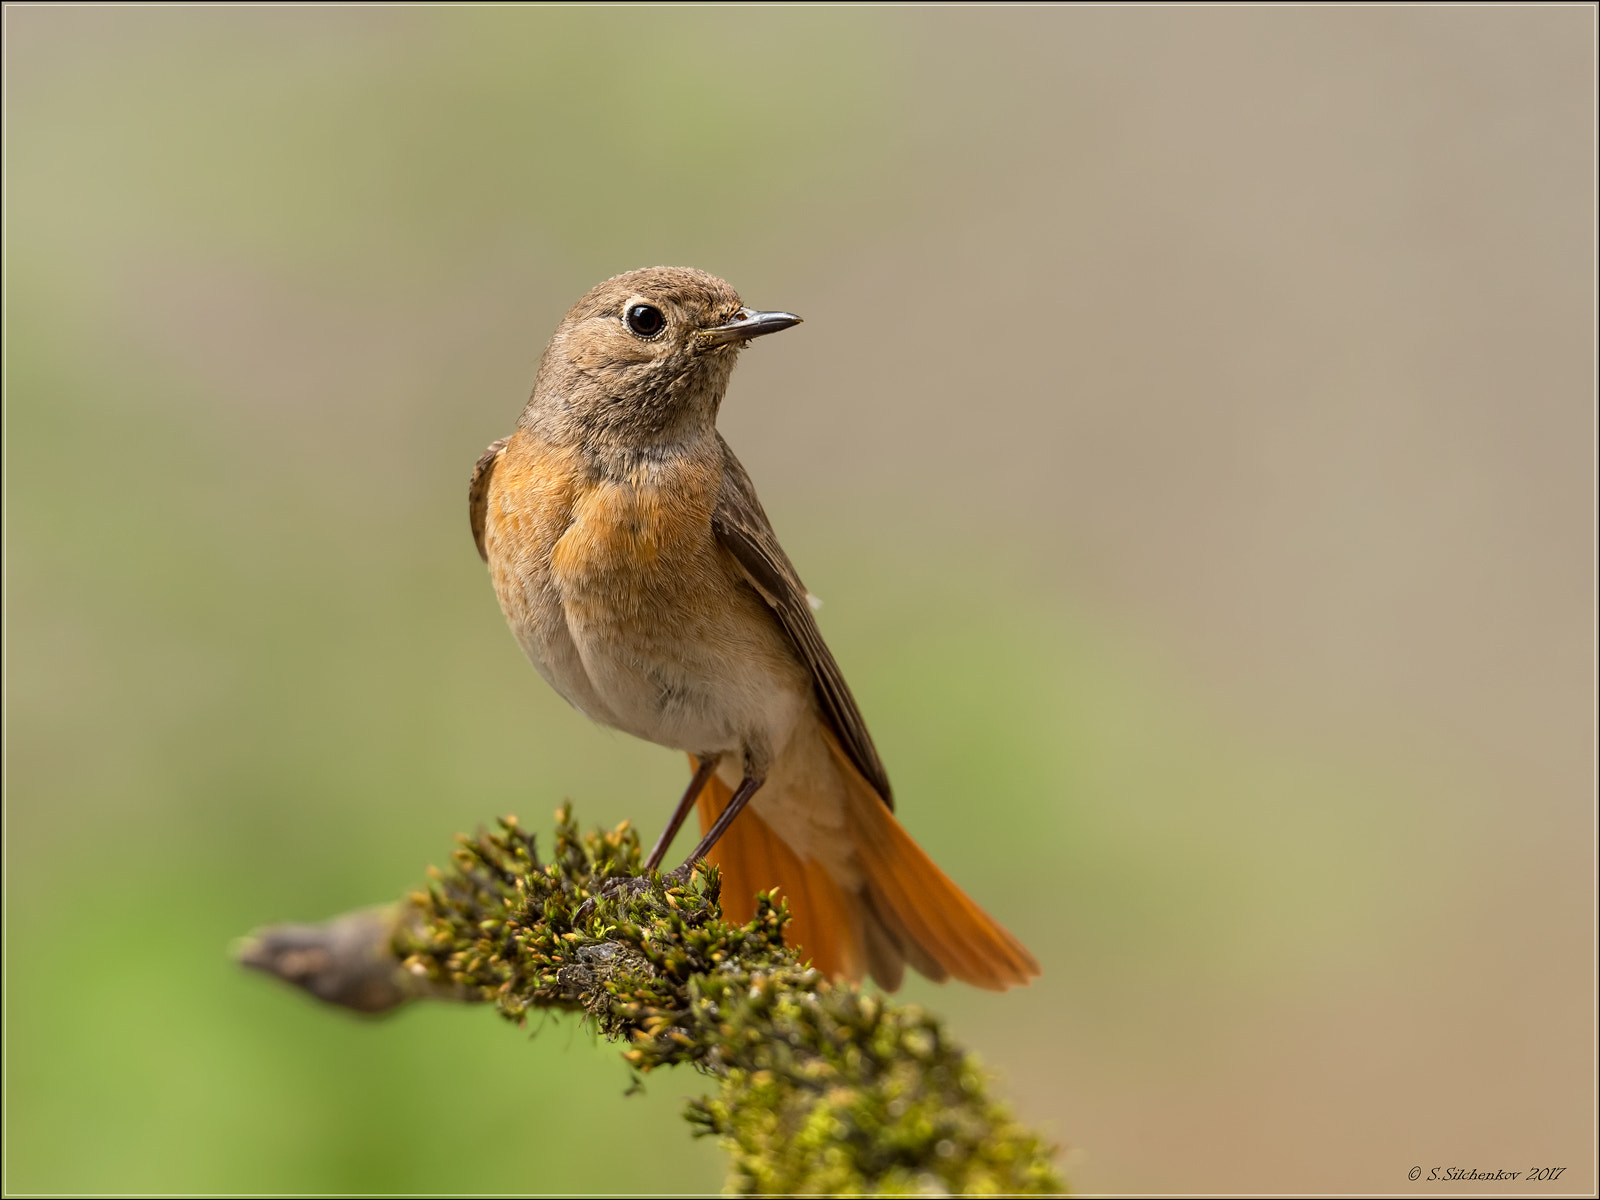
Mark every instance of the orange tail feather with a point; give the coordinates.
(926, 912)
(905, 908)
(754, 859)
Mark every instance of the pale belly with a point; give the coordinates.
(693, 684)
(685, 679)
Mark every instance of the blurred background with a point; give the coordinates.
(1190, 436)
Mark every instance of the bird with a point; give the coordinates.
(642, 578)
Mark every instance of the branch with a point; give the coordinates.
(824, 1088)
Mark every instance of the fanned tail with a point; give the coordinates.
(904, 909)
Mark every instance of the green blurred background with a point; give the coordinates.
(1190, 435)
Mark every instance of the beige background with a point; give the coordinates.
(1191, 435)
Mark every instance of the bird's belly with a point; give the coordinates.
(707, 695)
(675, 651)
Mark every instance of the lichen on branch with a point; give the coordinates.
(824, 1088)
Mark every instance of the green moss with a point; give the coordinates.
(824, 1088)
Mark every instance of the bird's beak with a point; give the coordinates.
(748, 323)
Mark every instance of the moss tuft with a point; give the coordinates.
(825, 1088)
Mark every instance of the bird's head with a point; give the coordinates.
(644, 358)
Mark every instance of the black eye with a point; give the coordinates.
(646, 320)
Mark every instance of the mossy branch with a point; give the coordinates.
(824, 1088)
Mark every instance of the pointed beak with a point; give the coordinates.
(747, 323)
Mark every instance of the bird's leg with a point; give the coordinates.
(636, 884)
(747, 788)
(702, 776)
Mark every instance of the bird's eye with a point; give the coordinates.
(645, 320)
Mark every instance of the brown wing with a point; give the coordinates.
(478, 492)
(742, 526)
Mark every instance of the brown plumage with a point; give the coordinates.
(642, 578)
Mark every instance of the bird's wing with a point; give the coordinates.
(478, 492)
(742, 526)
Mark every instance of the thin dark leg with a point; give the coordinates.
(702, 776)
(747, 788)
(612, 887)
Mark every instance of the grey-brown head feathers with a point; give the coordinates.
(629, 365)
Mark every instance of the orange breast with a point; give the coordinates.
(645, 532)
(529, 507)
(620, 527)
(551, 524)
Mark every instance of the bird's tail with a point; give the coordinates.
(901, 908)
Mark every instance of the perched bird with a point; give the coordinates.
(642, 578)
